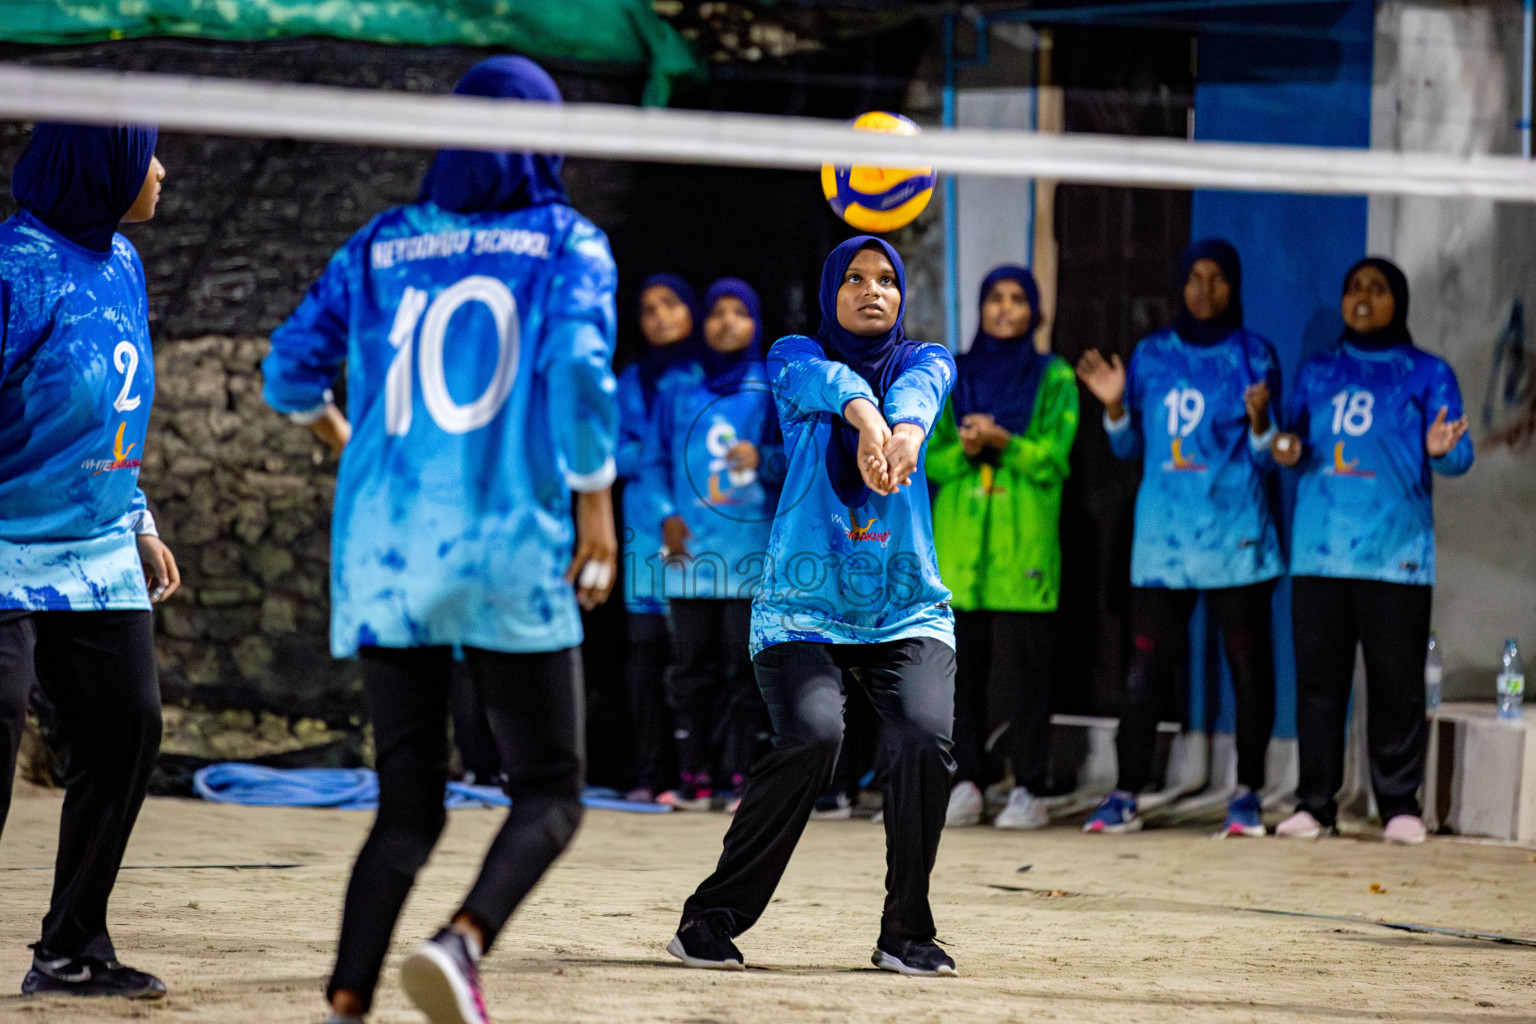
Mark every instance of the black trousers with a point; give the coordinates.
(912, 685)
(1160, 629)
(1390, 623)
(533, 704)
(645, 678)
(717, 712)
(1004, 652)
(97, 669)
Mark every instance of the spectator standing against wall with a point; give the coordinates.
(999, 457)
(1371, 421)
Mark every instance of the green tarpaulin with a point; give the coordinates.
(604, 31)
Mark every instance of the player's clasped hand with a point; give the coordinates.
(744, 455)
(594, 566)
(1256, 404)
(901, 453)
(1286, 448)
(1442, 436)
(160, 572)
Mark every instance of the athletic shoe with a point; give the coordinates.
(1406, 830)
(441, 978)
(832, 807)
(702, 942)
(687, 799)
(917, 959)
(1024, 810)
(1116, 814)
(1243, 817)
(1302, 825)
(965, 806)
(87, 976)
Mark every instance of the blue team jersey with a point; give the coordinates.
(642, 522)
(77, 378)
(845, 575)
(1203, 517)
(477, 348)
(1363, 499)
(729, 512)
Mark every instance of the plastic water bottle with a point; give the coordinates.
(1434, 674)
(1511, 681)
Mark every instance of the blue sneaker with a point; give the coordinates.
(1243, 817)
(1116, 814)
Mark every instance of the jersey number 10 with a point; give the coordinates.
(452, 417)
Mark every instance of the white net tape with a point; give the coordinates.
(230, 107)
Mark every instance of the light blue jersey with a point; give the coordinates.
(77, 378)
(1363, 499)
(642, 507)
(1203, 518)
(477, 348)
(729, 512)
(850, 575)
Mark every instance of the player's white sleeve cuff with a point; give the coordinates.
(1261, 442)
(144, 524)
(1116, 426)
(307, 416)
(586, 483)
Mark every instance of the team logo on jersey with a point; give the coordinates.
(119, 460)
(719, 440)
(1341, 467)
(1180, 462)
(865, 532)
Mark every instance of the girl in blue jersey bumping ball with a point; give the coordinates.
(80, 562)
(477, 330)
(1194, 403)
(1372, 418)
(670, 321)
(715, 469)
(852, 584)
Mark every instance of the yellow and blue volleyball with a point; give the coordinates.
(878, 199)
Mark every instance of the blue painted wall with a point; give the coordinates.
(1302, 76)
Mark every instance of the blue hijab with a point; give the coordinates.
(80, 179)
(879, 360)
(1209, 332)
(1001, 376)
(465, 181)
(658, 359)
(724, 371)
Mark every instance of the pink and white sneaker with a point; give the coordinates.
(1406, 830)
(441, 978)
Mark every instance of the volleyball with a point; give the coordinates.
(878, 199)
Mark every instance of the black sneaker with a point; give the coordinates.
(703, 942)
(441, 978)
(87, 976)
(919, 959)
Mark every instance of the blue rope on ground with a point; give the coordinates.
(356, 789)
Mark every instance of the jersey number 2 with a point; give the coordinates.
(126, 358)
(452, 417)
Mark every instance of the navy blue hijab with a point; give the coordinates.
(80, 179)
(465, 181)
(1001, 376)
(1396, 332)
(724, 371)
(1209, 332)
(658, 359)
(879, 360)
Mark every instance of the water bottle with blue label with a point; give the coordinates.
(1434, 675)
(1511, 681)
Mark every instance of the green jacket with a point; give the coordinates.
(997, 529)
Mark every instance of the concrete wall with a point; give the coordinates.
(1447, 81)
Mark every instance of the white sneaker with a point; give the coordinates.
(1023, 811)
(965, 805)
(1302, 825)
(1406, 830)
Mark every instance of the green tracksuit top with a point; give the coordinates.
(997, 527)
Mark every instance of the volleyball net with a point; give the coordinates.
(414, 120)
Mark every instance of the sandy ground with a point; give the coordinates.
(1118, 929)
